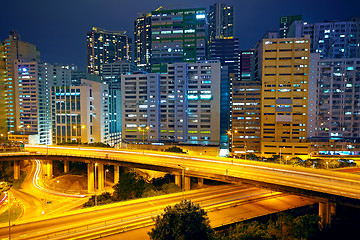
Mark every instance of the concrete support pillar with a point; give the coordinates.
(116, 174)
(16, 170)
(49, 169)
(325, 214)
(44, 168)
(333, 208)
(178, 180)
(187, 183)
(66, 166)
(90, 175)
(200, 182)
(100, 176)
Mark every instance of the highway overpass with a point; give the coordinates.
(327, 187)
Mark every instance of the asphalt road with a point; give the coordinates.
(324, 181)
(130, 214)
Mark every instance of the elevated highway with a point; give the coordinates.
(325, 186)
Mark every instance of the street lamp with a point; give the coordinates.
(106, 171)
(231, 133)
(143, 130)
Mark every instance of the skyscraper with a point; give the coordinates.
(106, 47)
(142, 42)
(33, 105)
(14, 50)
(221, 21)
(178, 35)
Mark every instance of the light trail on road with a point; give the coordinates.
(36, 184)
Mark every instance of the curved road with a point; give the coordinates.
(321, 181)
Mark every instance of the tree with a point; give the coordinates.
(185, 221)
(130, 186)
(174, 149)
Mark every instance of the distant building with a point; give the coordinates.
(80, 113)
(142, 42)
(178, 35)
(180, 106)
(12, 50)
(106, 47)
(285, 23)
(221, 21)
(331, 39)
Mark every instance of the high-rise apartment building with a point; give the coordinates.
(33, 105)
(246, 107)
(332, 39)
(80, 113)
(178, 35)
(221, 21)
(106, 47)
(13, 50)
(142, 42)
(284, 106)
(336, 104)
(180, 106)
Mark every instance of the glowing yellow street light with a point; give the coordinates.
(143, 130)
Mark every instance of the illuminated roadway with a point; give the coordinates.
(341, 187)
(128, 215)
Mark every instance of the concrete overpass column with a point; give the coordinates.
(100, 176)
(325, 214)
(187, 183)
(200, 182)
(116, 174)
(178, 179)
(16, 170)
(49, 169)
(90, 174)
(66, 166)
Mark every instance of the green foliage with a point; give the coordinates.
(185, 221)
(130, 186)
(102, 199)
(174, 149)
(284, 227)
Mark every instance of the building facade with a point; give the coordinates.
(142, 42)
(336, 104)
(33, 105)
(284, 106)
(221, 21)
(246, 107)
(178, 35)
(13, 50)
(80, 113)
(332, 39)
(180, 106)
(104, 46)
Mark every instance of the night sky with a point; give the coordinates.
(58, 28)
